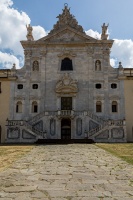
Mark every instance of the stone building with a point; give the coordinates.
(67, 88)
(6, 76)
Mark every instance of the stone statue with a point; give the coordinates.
(35, 65)
(104, 31)
(29, 33)
(98, 65)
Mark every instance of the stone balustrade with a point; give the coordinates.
(107, 123)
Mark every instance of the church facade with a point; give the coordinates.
(67, 88)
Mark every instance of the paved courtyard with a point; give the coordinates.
(67, 172)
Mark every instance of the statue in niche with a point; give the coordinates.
(35, 65)
(29, 33)
(98, 65)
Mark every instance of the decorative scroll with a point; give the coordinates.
(66, 85)
(66, 18)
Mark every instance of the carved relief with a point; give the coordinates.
(117, 133)
(114, 97)
(103, 135)
(66, 85)
(19, 98)
(13, 133)
(92, 125)
(27, 135)
(65, 19)
(28, 53)
(38, 125)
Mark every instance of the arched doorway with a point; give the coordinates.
(65, 129)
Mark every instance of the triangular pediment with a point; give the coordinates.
(67, 35)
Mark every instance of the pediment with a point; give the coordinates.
(67, 35)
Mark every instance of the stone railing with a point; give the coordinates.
(91, 115)
(106, 124)
(65, 113)
(27, 125)
(14, 122)
(40, 115)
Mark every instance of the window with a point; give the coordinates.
(34, 107)
(35, 86)
(98, 65)
(20, 86)
(0, 87)
(98, 106)
(66, 65)
(114, 106)
(66, 103)
(113, 85)
(19, 107)
(98, 86)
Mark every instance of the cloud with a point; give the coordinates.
(7, 60)
(93, 34)
(122, 51)
(13, 30)
(39, 32)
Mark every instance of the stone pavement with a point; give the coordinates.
(67, 172)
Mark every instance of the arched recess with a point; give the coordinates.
(98, 106)
(114, 106)
(79, 126)
(98, 65)
(19, 107)
(65, 128)
(34, 107)
(52, 127)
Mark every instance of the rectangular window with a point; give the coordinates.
(35, 108)
(66, 103)
(98, 108)
(114, 108)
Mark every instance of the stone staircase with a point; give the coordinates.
(107, 125)
(30, 128)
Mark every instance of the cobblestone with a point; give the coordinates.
(67, 172)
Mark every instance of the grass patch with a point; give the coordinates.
(122, 150)
(9, 154)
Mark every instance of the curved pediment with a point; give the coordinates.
(66, 85)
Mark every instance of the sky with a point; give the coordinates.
(41, 14)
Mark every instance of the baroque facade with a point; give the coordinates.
(67, 88)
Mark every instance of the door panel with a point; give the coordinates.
(65, 129)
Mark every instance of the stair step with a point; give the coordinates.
(64, 141)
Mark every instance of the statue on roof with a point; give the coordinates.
(29, 33)
(66, 18)
(104, 31)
